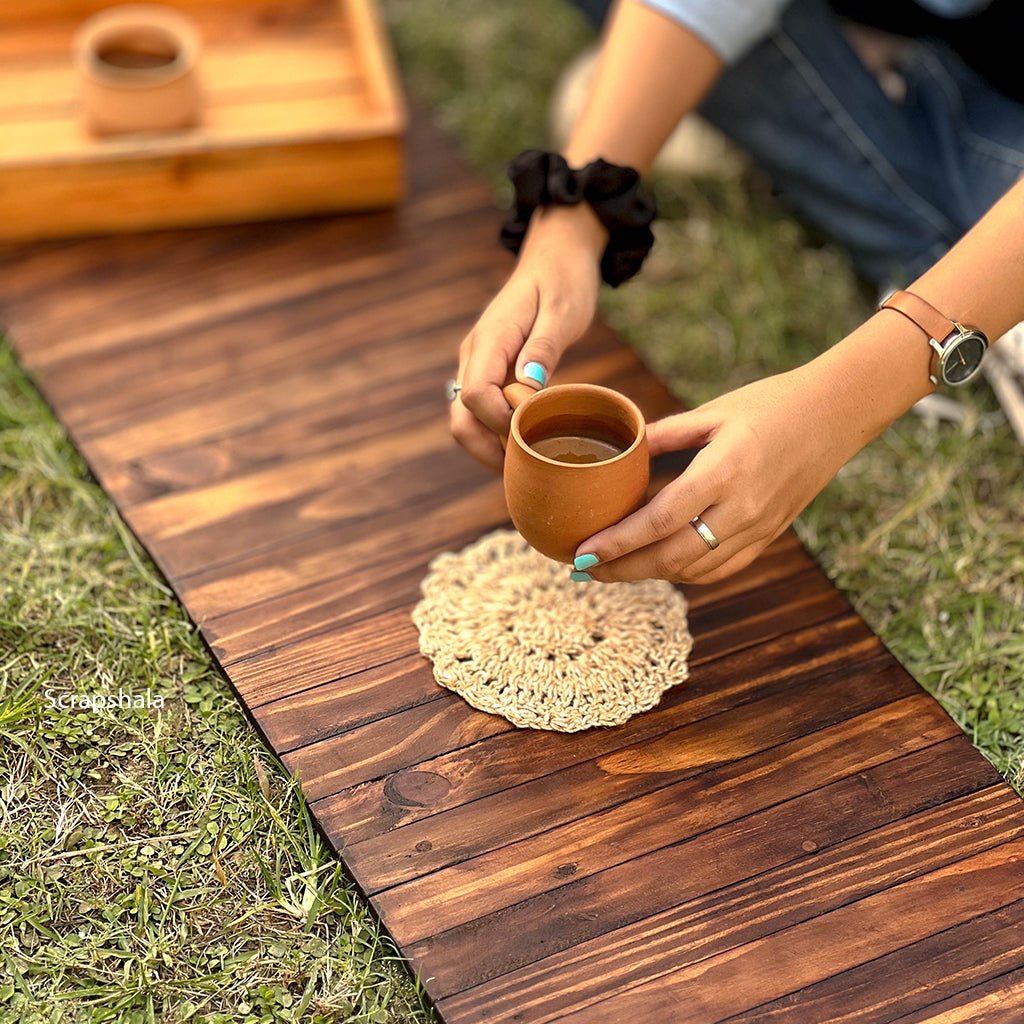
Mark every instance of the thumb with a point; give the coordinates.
(543, 348)
(680, 431)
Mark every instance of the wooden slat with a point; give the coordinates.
(448, 781)
(306, 327)
(314, 610)
(357, 757)
(587, 789)
(317, 660)
(796, 834)
(977, 957)
(291, 721)
(826, 945)
(730, 885)
(998, 1001)
(615, 832)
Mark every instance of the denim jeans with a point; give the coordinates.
(895, 183)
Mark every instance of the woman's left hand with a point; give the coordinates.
(766, 450)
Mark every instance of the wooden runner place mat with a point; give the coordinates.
(798, 834)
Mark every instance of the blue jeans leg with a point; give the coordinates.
(895, 183)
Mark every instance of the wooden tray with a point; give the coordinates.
(303, 115)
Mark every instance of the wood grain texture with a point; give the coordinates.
(804, 872)
(961, 963)
(799, 834)
(809, 952)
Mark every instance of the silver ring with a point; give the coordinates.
(451, 389)
(705, 532)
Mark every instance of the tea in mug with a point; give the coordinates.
(579, 440)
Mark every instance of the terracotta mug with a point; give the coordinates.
(556, 504)
(137, 70)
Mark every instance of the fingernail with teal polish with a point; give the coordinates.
(586, 561)
(536, 372)
(581, 577)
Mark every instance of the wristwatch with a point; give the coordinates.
(957, 351)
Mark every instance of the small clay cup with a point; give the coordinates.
(556, 505)
(136, 65)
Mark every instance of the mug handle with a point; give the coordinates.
(515, 394)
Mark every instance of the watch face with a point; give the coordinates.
(961, 359)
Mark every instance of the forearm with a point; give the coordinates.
(651, 72)
(880, 370)
(980, 281)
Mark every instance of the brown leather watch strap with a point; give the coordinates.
(922, 313)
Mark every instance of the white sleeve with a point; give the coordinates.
(730, 27)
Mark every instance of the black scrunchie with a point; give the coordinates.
(543, 179)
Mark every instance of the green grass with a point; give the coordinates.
(158, 865)
(155, 864)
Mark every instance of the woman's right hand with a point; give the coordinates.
(546, 304)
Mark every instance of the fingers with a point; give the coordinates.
(478, 440)
(481, 442)
(484, 367)
(675, 557)
(735, 563)
(679, 560)
(552, 333)
(664, 516)
(686, 557)
(495, 343)
(680, 431)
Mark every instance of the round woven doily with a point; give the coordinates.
(507, 629)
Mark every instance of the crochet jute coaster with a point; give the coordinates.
(508, 630)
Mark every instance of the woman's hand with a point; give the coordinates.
(545, 305)
(767, 450)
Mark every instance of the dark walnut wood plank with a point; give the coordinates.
(308, 609)
(294, 564)
(326, 655)
(407, 373)
(354, 307)
(188, 419)
(624, 773)
(619, 833)
(791, 828)
(998, 1001)
(731, 885)
(467, 774)
(398, 469)
(312, 427)
(359, 756)
(207, 526)
(824, 946)
(329, 709)
(288, 567)
(960, 963)
(311, 610)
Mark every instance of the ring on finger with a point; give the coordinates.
(451, 389)
(705, 531)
